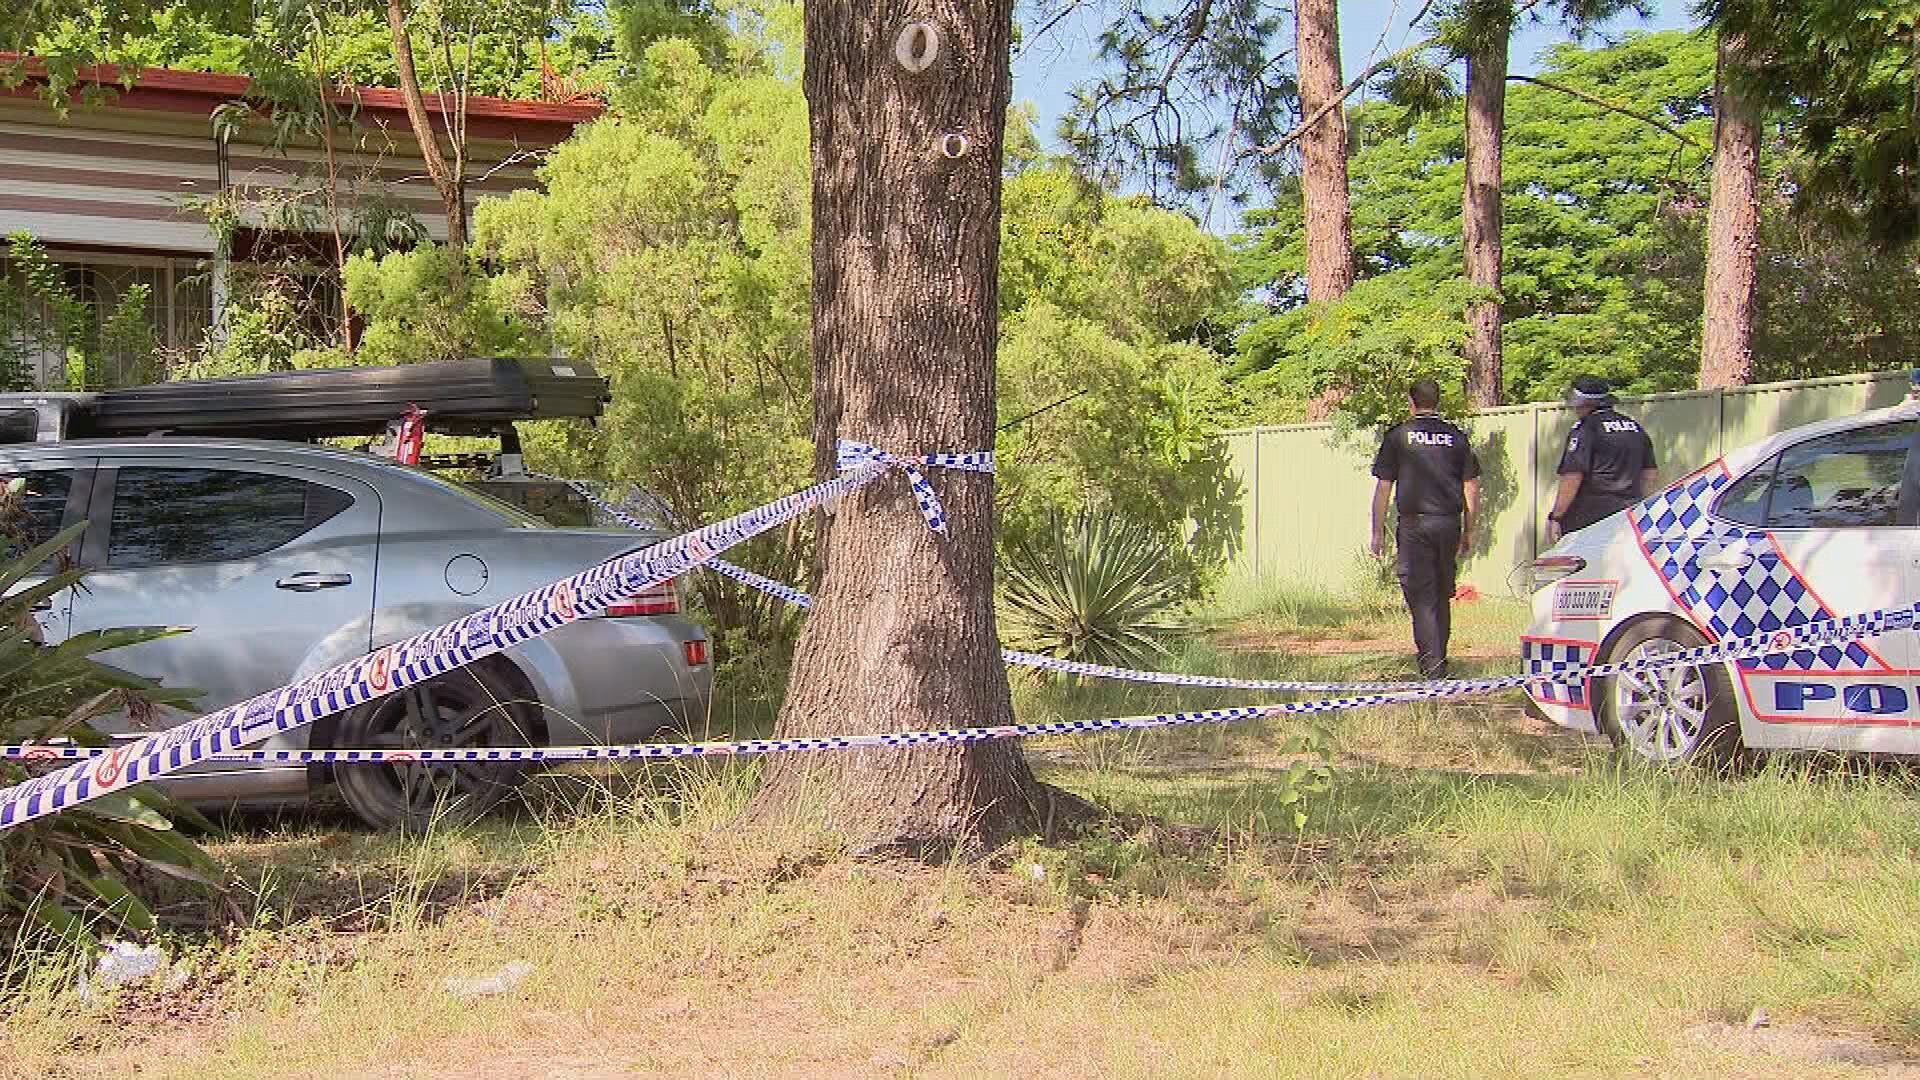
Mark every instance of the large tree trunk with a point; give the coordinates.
(449, 180)
(1323, 152)
(1323, 167)
(1733, 230)
(906, 228)
(1480, 209)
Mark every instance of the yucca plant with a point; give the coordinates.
(67, 876)
(1099, 589)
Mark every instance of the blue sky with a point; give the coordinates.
(1369, 29)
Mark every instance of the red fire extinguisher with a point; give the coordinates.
(408, 433)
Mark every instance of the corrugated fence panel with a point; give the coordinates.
(1685, 430)
(1305, 504)
(1754, 412)
(1243, 453)
(1306, 499)
(1503, 439)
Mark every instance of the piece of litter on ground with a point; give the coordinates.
(1036, 871)
(499, 982)
(1757, 1019)
(122, 963)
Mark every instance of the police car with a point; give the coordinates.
(1813, 523)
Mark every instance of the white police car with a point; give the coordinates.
(1813, 523)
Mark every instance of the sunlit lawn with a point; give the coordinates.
(1475, 895)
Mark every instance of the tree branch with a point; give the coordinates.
(1622, 110)
(1197, 31)
(1047, 27)
(1360, 80)
(1353, 87)
(416, 106)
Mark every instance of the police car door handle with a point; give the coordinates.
(312, 582)
(1727, 560)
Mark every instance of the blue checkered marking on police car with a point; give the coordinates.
(1552, 659)
(1675, 531)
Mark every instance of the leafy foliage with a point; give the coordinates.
(670, 247)
(1604, 260)
(1098, 590)
(69, 876)
(414, 314)
(1846, 69)
(1586, 191)
(511, 40)
(1186, 91)
(267, 331)
(1367, 347)
(1110, 392)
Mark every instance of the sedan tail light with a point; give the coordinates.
(662, 599)
(696, 652)
(1548, 569)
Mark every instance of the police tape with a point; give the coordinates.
(1780, 642)
(463, 641)
(801, 599)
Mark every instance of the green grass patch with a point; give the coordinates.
(1470, 894)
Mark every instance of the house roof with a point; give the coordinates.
(199, 93)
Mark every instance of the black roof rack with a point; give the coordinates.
(459, 397)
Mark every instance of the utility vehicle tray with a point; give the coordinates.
(459, 397)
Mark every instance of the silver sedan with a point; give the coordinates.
(284, 559)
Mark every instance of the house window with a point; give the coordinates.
(178, 310)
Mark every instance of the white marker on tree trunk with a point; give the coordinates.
(917, 47)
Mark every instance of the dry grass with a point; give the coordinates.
(1475, 896)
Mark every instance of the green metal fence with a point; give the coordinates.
(1307, 494)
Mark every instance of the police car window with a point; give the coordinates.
(1746, 501)
(1849, 480)
(211, 515)
(31, 515)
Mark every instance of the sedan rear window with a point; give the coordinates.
(1848, 480)
(164, 515)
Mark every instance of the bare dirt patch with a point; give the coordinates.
(1255, 639)
(1804, 1043)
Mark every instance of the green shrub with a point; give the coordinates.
(71, 876)
(1099, 590)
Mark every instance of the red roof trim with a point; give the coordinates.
(171, 90)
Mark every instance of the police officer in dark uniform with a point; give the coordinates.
(1608, 464)
(1428, 470)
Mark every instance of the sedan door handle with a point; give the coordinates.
(1727, 560)
(312, 582)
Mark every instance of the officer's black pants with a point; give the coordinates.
(1427, 559)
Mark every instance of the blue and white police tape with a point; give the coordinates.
(1770, 643)
(483, 633)
(741, 747)
(802, 599)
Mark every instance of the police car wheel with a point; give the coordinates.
(1668, 715)
(474, 707)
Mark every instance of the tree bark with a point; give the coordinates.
(1733, 230)
(905, 290)
(448, 181)
(1323, 167)
(1480, 209)
(1323, 152)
